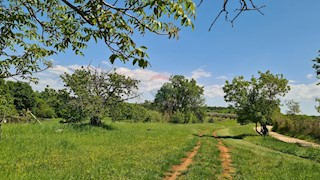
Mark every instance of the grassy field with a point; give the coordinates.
(147, 151)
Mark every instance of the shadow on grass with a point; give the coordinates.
(88, 126)
(241, 136)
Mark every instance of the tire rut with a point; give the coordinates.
(186, 162)
(225, 157)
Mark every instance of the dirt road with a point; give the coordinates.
(291, 139)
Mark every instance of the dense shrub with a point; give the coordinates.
(153, 116)
(186, 117)
(298, 126)
(177, 118)
(211, 120)
(43, 110)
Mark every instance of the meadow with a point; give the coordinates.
(124, 150)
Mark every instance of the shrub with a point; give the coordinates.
(43, 110)
(177, 118)
(211, 120)
(190, 117)
(153, 116)
(298, 126)
(200, 114)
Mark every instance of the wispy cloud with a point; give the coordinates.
(292, 81)
(222, 77)
(200, 73)
(303, 92)
(310, 76)
(213, 91)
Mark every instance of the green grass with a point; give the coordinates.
(147, 151)
(135, 151)
(206, 164)
(256, 157)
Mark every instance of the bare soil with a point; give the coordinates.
(186, 162)
(225, 158)
(288, 139)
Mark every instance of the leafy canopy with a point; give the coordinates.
(180, 94)
(316, 66)
(32, 30)
(255, 100)
(293, 107)
(94, 90)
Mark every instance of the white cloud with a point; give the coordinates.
(200, 73)
(309, 76)
(222, 77)
(150, 81)
(59, 69)
(303, 92)
(213, 91)
(292, 81)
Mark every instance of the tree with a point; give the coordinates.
(318, 107)
(42, 109)
(316, 66)
(24, 97)
(180, 95)
(59, 100)
(31, 31)
(293, 107)
(255, 100)
(95, 90)
(6, 104)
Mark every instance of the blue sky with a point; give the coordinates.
(284, 40)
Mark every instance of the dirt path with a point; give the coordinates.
(288, 139)
(225, 157)
(177, 170)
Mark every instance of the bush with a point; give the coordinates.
(190, 117)
(153, 116)
(200, 114)
(298, 126)
(211, 120)
(43, 110)
(177, 118)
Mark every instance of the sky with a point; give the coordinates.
(284, 40)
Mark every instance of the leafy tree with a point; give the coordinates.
(24, 96)
(180, 95)
(316, 66)
(6, 104)
(31, 31)
(293, 107)
(318, 107)
(42, 109)
(255, 100)
(95, 90)
(59, 100)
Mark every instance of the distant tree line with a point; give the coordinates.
(91, 94)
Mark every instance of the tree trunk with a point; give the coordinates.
(257, 129)
(1, 120)
(264, 129)
(95, 121)
(1, 130)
